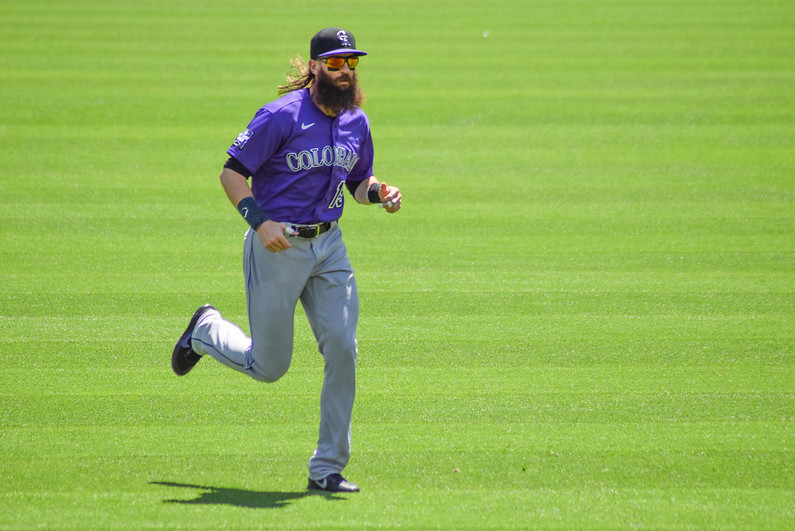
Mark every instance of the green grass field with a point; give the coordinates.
(582, 318)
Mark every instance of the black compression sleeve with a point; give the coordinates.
(352, 186)
(235, 165)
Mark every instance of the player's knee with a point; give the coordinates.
(267, 377)
(269, 374)
(270, 367)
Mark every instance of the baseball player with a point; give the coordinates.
(300, 151)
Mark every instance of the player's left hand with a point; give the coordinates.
(390, 198)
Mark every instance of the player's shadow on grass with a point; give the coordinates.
(252, 499)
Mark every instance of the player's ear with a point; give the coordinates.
(313, 66)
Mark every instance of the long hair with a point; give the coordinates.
(298, 78)
(301, 77)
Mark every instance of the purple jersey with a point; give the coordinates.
(300, 158)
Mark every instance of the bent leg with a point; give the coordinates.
(227, 343)
(274, 282)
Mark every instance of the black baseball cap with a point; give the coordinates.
(333, 41)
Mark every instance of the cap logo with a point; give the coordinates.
(343, 38)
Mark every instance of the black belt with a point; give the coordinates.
(310, 231)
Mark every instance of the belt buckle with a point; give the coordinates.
(308, 231)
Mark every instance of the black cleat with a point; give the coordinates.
(333, 483)
(184, 357)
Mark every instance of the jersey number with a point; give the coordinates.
(338, 197)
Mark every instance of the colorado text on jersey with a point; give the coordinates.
(315, 158)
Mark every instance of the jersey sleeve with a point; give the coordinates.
(262, 138)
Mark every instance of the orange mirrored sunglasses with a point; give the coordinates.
(336, 62)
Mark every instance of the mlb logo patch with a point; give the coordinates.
(242, 138)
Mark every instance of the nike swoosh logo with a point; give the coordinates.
(304, 127)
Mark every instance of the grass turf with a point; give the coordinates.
(581, 319)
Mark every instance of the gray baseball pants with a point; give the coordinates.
(318, 272)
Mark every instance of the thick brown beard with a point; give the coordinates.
(335, 99)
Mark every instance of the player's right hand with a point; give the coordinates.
(271, 235)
